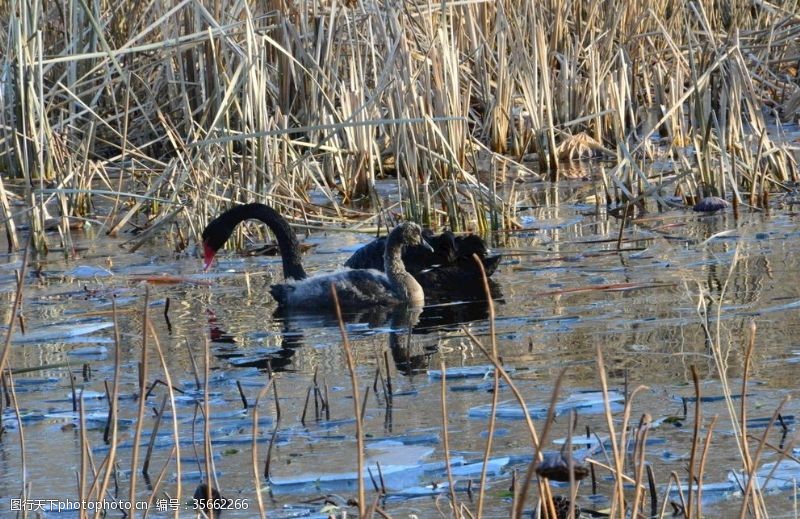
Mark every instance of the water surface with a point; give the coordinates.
(564, 291)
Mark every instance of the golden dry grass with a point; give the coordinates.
(137, 110)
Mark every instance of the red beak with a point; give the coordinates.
(208, 256)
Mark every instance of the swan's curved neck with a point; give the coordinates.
(287, 241)
(393, 258)
(402, 282)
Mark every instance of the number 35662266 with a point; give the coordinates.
(220, 504)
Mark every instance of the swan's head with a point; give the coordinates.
(471, 244)
(215, 235)
(409, 233)
(444, 246)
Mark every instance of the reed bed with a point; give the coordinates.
(155, 116)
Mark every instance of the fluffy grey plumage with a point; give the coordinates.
(360, 288)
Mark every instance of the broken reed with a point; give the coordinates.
(151, 108)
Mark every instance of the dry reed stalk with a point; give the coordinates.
(618, 497)
(24, 484)
(153, 433)
(5, 371)
(751, 494)
(623, 440)
(83, 466)
(110, 460)
(573, 486)
(713, 339)
(673, 478)
(8, 219)
(173, 410)
(544, 488)
(446, 441)
(695, 441)
(701, 469)
(746, 458)
(187, 76)
(254, 448)
(507, 379)
(137, 433)
(495, 388)
(18, 298)
(156, 485)
(211, 472)
(362, 504)
(639, 458)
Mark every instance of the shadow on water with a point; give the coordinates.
(448, 310)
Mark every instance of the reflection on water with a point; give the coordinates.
(563, 291)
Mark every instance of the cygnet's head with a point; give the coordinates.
(409, 233)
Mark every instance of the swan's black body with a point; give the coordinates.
(450, 267)
(355, 288)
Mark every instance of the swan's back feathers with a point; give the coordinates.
(415, 257)
(370, 256)
(461, 276)
(447, 268)
(354, 289)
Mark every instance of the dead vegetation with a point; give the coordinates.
(153, 116)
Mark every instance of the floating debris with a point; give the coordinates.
(555, 466)
(400, 467)
(466, 372)
(59, 332)
(711, 204)
(422, 491)
(780, 475)
(89, 272)
(588, 402)
(407, 439)
(89, 351)
(170, 280)
(495, 466)
(253, 356)
(589, 442)
(87, 395)
(92, 418)
(712, 398)
(483, 386)
(581, 146)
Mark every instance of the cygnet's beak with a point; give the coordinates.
(425, 244)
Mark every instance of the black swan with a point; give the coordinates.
(355, 288)
(449, 267)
